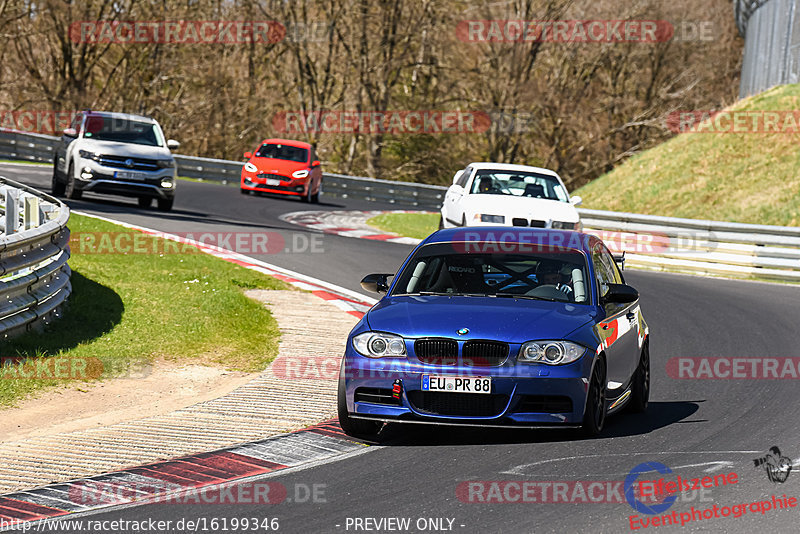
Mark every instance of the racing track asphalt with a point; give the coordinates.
(696, 427)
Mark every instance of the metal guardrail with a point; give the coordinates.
(699, 246)
(40, 148)
(34, 249)
(688, 245)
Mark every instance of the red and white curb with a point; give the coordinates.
(200, 478)
(343, 298)
(196, 479)
(347, 224)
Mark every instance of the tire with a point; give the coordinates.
(165, 204)
(57, 187)
(315, 196)
(640, 388)
(244, 191)
(70, 191)
(307, 196)
(145, 202)
(358, 428)
(594, 417)
(441, 222)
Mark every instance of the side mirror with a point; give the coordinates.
(315, 163)
(575, 201)
(620, 294)
(172, 144)
(248, 155)
(71, 132)
(376, 283)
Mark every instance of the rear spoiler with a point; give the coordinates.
(620, 259)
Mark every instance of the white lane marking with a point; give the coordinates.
(235, 255)
(520, 470)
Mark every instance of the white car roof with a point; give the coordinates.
(510, 167)
(120, 115)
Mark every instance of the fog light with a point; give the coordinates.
(86, 173)
(166, 184)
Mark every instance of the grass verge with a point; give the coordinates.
(127, 310)
(416, 225)
(741, 177)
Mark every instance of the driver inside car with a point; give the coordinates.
(548, 273)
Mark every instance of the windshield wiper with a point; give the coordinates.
(529, 297)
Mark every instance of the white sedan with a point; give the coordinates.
(486, 194)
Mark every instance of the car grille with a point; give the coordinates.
(376, 396)
(538, 224)
(517, 221)
(436, 351)
(484, 353)
(276, 176)
(139, 164)
(457, 404)
(545, 404)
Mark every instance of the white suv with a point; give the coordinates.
(116, 154)
(510, 195)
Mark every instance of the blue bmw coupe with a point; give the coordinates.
(497, 327)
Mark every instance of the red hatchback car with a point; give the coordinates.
(283, 167)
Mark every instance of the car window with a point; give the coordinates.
(122, 130)
(518, 183)
(285, 152)
(603, 276)
(437, 268)
(76, 122)
(462, 179)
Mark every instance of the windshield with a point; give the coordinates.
(520, 184)
(123, 130)
(547, 275)
(290, 153)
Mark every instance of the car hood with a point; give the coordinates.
(505, 319)
(277, 166)
(524, 207)
(114, 148)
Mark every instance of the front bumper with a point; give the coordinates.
(95, 178)
(523, 395)
(287, 186)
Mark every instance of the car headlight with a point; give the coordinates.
(165, 163)
(85, 154)
(249, 167)
(300, 174)
(497, 219)
(558, 225)
(379, 345)
(550, 352)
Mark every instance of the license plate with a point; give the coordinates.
(457, 384)
(127, 175)
(273, 181)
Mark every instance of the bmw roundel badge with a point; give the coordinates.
(463, 331)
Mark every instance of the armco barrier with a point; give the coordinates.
(34, 249)
(700, 247)
(40, 148)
